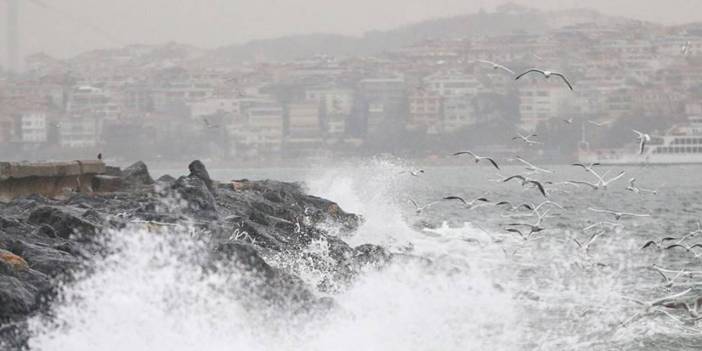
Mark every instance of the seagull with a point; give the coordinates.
(420, 209)
(568, 121)
(599, 124)
(532, 228)
(650, 306)
(633, 188)
(527, 181)
(414, 173)
(601, 182)
(547, 75)
(531, 167)
(477, 158)
(467, 204)
(511, 207)
(601, 224)
(618, 215)
(526, 139)
(687, 248)
(657, 244)
(592, 239)
(586, 167)
(497, 66)
(643, 139)
(669, 282)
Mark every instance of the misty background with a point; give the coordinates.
(270, 81)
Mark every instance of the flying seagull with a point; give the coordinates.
(599, 124)
(420, 209)
(650, 306)
(497, 66)
(531, 167)
(643, 139)
(469, 205)
(568, 121)
(477, 158)
(526, 139)
(601, 182)
(547, 75)
(618, 215)
(633, 188)
(526, 181)
(414, 173)
(208, 124)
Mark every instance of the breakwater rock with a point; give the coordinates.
(44, 241)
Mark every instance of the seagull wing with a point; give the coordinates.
(514, 177)
(530, 71)
(505, 68)
(493, 162)
(649, 243)
(464, 153)
(671, 297)
(676, 245)
(539, 186)
(458, 198)
(414, 203)
(563, 77)
(621, 174)
(578, 182)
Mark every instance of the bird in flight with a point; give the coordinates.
(526, 181)
(477, 158)
(633, 188)
(599, 124)
(469, 205)
(531, 167)
(209, 124)
(601, 182)
(414, 173)
(643, 138)
(547, 75)
(526, 139)
(497, 66)
(618, 215)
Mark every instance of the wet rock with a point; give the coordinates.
(137, 174)
(198, 170)
(15, 297)
(369, 255)
(64, 224)
(198, 197)
(166, 179)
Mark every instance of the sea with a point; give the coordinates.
(486, 289)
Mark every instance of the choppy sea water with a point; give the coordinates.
(487, 288)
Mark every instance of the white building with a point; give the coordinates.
(541, 102)
(77, 132)
(33, 127)
(211, 106)
(458, 113)
(452, 83)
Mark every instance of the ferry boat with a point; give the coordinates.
(681, 144)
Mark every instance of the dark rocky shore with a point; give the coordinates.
(43, 241)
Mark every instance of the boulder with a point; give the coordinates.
(198, 170)
(137, 174)
(63, 223)
(15, 297)
(194, 191)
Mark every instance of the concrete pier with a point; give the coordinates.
(50, 179)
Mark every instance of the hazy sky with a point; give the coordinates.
(68, 27)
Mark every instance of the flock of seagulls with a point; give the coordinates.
(528, 230)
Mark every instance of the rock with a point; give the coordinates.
(15, 297)
(113, 171)
(63, 223)
(137, 174)
(197, 169)
(194, 191)
(369, 255)
(14, 261)
(166, 178)
(45, 231)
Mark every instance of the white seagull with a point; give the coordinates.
(618, 215)
(531, 167)
(599, 124)
(643, 139)
(497, 66)
(601, 182)
(526, 139)
(547, 75)
(477, 158)
(633, 188)
(414, 173)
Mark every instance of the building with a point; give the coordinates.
(425, 111)
(336, 105)
(458, 113)
(540, 102)
(33, 127)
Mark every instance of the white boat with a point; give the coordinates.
(682, 144)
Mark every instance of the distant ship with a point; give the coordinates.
(681, 144)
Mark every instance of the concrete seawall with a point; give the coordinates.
(48, 178)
